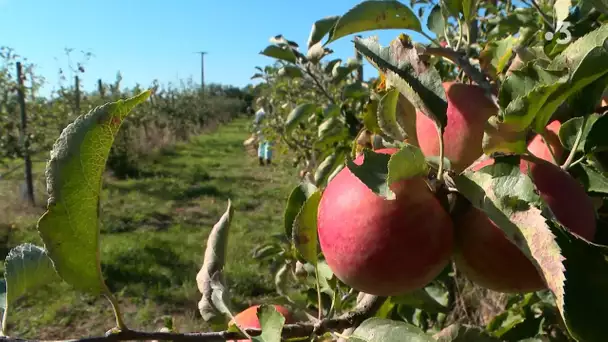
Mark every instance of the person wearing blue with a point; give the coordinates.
(264, 145)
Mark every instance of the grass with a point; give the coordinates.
(154, 231)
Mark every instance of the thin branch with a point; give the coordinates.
(366, 309)
(319, 85)
(543, 15)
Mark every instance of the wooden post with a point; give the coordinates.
(77, 94)
(29, 183)
(101, 89)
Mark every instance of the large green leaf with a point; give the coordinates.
(279, 52)
(375, 15)
(305, 228)
(320, 28)
(70, 226)
(387, 330)
(575, 271)
(295, 201)
(585, 305)
(525, 91)
(585, 59)
(419, 82)
(297, 115)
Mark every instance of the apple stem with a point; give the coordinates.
(320, 314)
(542, 135)
(440, 167)
(460, 34)
(577, 142)
(120, 324)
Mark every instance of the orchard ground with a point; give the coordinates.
(154, 231)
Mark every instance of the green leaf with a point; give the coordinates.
(593, 180)
(26, 268)
(452, 7)
(387, 330)
(585, 304)
(525, 91)
(495, 55)
(463, 333)
(297, 115)
(503, 137)
(329, 67)
(296, 200)
(70, 226)
(375, 15)
(601, 5)
(469, 7)
(320, 28)
(355, 91)
(597, 139)
(305, 229)
(211, 273)
(510, 200)
(435, 21)
(339, 72)
(331, 130)
(585, 59)
(329, 164)
(331, 110)
(421, 299)
(387, 115)
(370, 117)
(373, 172)
(290, 71)
(420, 83)
(283, 53)
(271, 322)
(569, 130)
(406, 163)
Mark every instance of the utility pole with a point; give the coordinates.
(203, 53)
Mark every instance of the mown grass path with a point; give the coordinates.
(154, 231)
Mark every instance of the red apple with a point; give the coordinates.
(538, 147)
(383, 247)
(468, 111)
(485, 255)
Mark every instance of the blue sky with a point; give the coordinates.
(153, 39)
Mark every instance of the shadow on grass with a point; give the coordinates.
(149, 271)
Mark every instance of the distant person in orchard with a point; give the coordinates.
(264, 145)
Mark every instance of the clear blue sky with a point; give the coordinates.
(153, 39)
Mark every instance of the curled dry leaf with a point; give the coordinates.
(213, 264)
